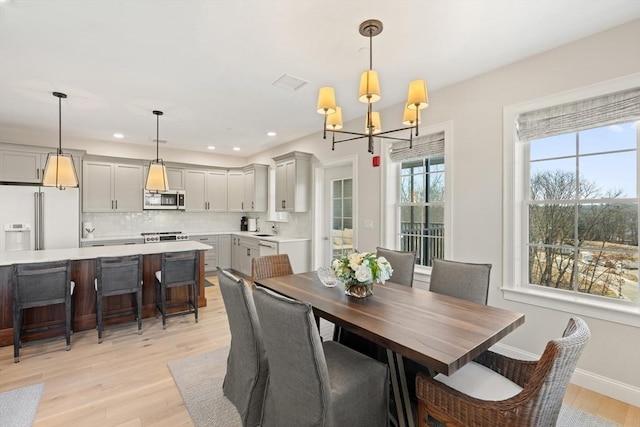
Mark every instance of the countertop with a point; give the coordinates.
(22, 257)
(258, 235)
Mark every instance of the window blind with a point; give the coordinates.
(430, 145)
(618, 107)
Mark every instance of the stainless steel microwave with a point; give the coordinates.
(169, 200)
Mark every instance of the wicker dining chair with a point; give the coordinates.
(263, 267)
(496, 390)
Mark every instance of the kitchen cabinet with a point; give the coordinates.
(244, 249)
(211, 255)
(112, 187)
(293, 182)
(206, 190)
(224, 251)
(235, 193)
(256, 186)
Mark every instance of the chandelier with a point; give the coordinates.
(417, 99)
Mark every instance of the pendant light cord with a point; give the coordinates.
(158, 138)
(59, 125)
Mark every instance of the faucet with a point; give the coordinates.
(274, 229)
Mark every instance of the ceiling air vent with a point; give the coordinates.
(287, 81)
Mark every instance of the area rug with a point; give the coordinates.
(18, 407)
(208, 283)
(200, 378)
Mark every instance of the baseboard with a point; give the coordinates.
(589, 380)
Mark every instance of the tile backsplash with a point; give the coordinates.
(134, 223)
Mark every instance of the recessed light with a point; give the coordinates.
(211, 147)
(118, 135)
(271, 134)
(236, 148)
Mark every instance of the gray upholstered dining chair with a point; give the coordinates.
(460, 279)
(247, 367)
(312, 383)
(37, 285)
(178, 269)
(118, 276)
(496, 390)
(403, 264)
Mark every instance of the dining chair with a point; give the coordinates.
(263, 267)
(402, 263)
(247, 366)
(495, 390)
(312, 383)
(460, 279)
(178, 269)
(118, 276)
(37, 285)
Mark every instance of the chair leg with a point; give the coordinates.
(68, 323)
(139, 305)
(195, 300)
(17, 330)
(99, 317)
(163, 305)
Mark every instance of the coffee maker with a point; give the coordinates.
(244, 224)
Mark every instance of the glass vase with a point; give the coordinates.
(358, 289)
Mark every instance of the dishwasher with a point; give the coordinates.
(268, 248)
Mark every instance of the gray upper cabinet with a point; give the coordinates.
(235, 194)
(293, 182)
(206, 190)
(256, 186)
(112, 187)
(27, 165)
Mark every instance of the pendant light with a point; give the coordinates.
(157, 176)
(59, 171)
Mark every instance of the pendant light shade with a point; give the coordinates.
(369, 87)
(374, 123)
(410, 117)
(157, 179)
(417, 98)
(326, 100)
(59, 171)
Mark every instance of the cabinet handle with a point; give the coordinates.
(242, 205)
(248, 251)
(252, 205)
(116, 205)
(38, 173)
(112, 204)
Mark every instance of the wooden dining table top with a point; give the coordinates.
(437, 331)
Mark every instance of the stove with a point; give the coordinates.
(164, 236)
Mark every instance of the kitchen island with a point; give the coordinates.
(49, 321)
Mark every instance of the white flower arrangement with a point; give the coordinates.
(362, 267)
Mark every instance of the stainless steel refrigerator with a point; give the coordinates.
(53, 216)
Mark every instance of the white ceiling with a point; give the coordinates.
(210, 65)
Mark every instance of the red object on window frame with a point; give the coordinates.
(376, 161)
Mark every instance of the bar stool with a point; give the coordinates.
(118, 276)
(37, 285)
(178, 269)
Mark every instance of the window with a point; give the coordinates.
(342, 216)
(583, 212)
(416, 211)
(571, 201)
(421, 207)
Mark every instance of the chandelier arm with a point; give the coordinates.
(333, 142)
(417, 122)
(324, 128)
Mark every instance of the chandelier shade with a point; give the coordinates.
(369, 87)
(60, 171)
(157, 179)
(334, 121)
(410, 116)
(369, 93)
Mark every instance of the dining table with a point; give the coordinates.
(440, 332)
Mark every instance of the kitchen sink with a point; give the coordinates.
(263, 235)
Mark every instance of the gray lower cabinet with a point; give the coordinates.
(219, 254)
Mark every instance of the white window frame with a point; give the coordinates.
(515, 190)
(390, 211)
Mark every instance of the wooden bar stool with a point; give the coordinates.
(178, 269)
(37, 285)
(118, 276)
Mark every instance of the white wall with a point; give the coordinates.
(610, 362)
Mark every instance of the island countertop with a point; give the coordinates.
(74, 254)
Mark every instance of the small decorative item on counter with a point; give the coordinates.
(89, 229)
(359, 271)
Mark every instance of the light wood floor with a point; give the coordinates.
(125, 380)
